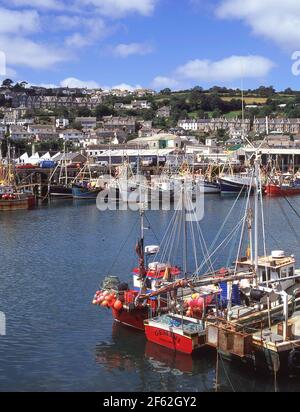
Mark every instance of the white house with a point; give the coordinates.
(62, 123)
(141, 104)
(24, 122)
(71, 134)
(159, 141)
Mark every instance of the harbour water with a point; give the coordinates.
(52, 261)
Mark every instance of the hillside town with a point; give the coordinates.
(113, 124)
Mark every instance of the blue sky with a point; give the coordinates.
(151, 43)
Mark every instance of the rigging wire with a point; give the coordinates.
(123, 245)
(151, 227)
(229, 236)
(244, 224)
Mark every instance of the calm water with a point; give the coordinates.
(52, 261)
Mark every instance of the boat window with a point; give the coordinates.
(284, 273)
(291, 272)
(266, 278)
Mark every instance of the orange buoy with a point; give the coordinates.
(104, 304)
(110, 297)
(118, 305)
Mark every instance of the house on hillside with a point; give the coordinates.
(164, 112)
(159, 141)
(71, 135)
(87, 123)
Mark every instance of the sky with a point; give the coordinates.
(151, 43)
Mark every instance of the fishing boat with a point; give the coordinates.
(234, 319)
(285, 185)
(59, 191)
(62, 188)
(263, 330)
(12, 199)
(85, 186)
(234, 184)
(124, 301)
(176, 332)
(208, 187)
(179, 332)
(84, 191)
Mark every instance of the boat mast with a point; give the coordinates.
(184, 231)
(109, 162)
(256, 173)
(9, 164)
(66, 167)
(142, 246)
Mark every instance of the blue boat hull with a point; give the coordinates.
(80, 192)
(227, 187)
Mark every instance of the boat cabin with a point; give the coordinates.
(156, 274)
(274, 268)
(6, 190)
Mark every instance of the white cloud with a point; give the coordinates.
(222, 71)
(92, 31)
(74, 82)
(43, 4)
(161, 82)
(124, 86)
(46, 85)
(24, 52)
(121, 8)
(65, 22)
(276, 20)
(228, 69)
(18, 21)
(126, 50)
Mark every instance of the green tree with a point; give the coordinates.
(167, 91)
(104, 110)
(84, 112)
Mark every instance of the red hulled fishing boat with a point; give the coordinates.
(13, 197)
(124, 301)
(11, 200)
(274, 190)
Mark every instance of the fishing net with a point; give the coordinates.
(111, 283)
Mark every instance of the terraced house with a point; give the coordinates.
(214, 124)
(278, 125)
(51, 102)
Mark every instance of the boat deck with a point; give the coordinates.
(186, 326)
